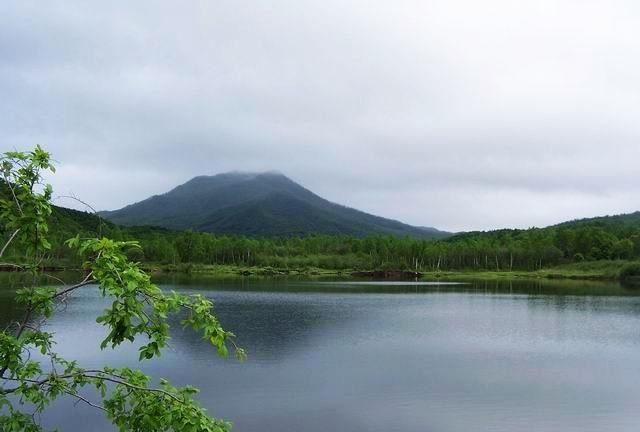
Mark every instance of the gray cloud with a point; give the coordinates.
(451, 113)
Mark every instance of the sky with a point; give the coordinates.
(457, 114)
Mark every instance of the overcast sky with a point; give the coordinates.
(458, 114)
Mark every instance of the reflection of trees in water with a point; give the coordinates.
(549, 287)
(271, 326)
(8, 310)
(604, 304)
(301, 285)
(9, 283)
(12, 281)
(583, 296)
(273, 317)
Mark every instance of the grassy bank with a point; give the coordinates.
(235, 270)
(588, 270)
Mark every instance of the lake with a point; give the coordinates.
(340, 356)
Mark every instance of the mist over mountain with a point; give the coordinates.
(257, 204)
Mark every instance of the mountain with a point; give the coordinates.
(615, 220)
(264, 204)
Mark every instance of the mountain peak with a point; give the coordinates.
(244, 174)
(255, 203)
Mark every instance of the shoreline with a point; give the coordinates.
(586, 271)
(607, 271)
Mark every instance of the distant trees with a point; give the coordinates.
(501, 250)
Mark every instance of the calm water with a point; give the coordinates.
(392, 357)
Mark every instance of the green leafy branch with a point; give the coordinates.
(139, 309)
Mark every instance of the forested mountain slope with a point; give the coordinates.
(265, 204)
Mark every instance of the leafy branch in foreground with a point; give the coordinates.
(32, 374)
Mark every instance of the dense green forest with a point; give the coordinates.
(607, 238)
(498, 250)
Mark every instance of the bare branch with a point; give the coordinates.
(13, 192)
(75, 198)
(55, 278)
(88, 402)
(90, 207)
(6, 245)
(87, 281)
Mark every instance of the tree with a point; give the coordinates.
(623, 249)
(139, 310)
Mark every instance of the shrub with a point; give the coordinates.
(630, 273)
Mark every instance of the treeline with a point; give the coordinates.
(600, 239)
(506, 250)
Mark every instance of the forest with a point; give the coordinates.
(606, 238)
